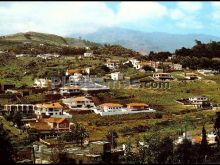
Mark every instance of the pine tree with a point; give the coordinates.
(204, 147)
(111, 136)
(217, 128)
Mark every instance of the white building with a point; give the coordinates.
(20, 55)
(111, 107)
(50, 110)
(91, 87)
(107, 109)
(198, 99)
(88, 54)
(176, 67)
(207, 72)
(48, 56)
(158, 70)
(196, 139)
(69, 90)
(163, 76)
(24, 108)
(191, 76)
(117, 76)
(42, 83)
(81, 103)
(136, 63)
(76, 77)
(112, 64)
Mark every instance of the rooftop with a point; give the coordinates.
(111, 105)
(99, 142)
(81, 99)
(55, 120)
(70, 87)
(137, 104)
(49, 105)
(72, 71)
(41, 125)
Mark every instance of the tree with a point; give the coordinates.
(17, 119)
(166, 150)
(111, 137)
(186, 153)
(83, 133)
(58, 152)
(205, 150)
(217, 128)
(6, 148)
(77, 134)
(130, 156)
(147, 68)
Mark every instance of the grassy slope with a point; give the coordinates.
(13, 132)
(35, 37)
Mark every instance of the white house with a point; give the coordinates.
(48, 109)
(118, 109)
(112, 64)
(176, 67)
(207, 72)
(158, 70)
(136, 63)
(88, 54)
(42, 83)
(163, 76)
(191, 76)
(111, 107)
(20, 55)
(117, 76)
(69, 90)
(48, 56)
(76, 77)
(198, 99)
(81, 103)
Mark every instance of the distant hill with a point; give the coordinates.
(34, 43)
(145, 42)
(42, 38)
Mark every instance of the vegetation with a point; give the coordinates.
(6, 148)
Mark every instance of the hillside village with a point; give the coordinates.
(74, 101)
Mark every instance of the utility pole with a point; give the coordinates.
(33, 155)
(112, 138)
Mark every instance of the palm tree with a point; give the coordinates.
(78, 133)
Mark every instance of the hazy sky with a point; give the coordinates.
(64, 18)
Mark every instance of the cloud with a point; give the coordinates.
(136, 11)
(215, 12)
(64, 18)
(185, 14)
(58, 17)
(189, 7)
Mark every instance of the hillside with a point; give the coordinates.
(9, 41)
(143, 41)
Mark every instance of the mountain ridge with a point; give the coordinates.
(146, 41)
